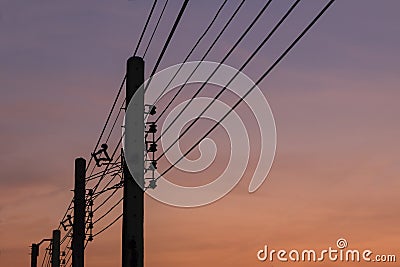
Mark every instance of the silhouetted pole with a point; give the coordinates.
(133, 210)
(35, 251)
(34, 255)
(78, 230)
(55, 249)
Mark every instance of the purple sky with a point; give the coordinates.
(334, 97)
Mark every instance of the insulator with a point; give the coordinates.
(153, 184)
(153, 110)
(154, 163)
(104, 146)
(152, 128)
(152, 148)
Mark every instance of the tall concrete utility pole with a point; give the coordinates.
(133, 207)
(78, 228)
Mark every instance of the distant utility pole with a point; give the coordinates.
(35, 251)
(78, 228)
(133, 207)
(55, 249)
(34, 254)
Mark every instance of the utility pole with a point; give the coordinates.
(55, 249)
(78, 228)
(34, 254)
(133, 207)
(35, 250)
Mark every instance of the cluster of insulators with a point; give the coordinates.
(151, 149)
(89, 211)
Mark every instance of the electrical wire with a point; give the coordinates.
(155, 28)
(66, 236)
(145, 27)
(116, 120)
(260, 13)
(178, 18)
(44, 257)
(205, 54)
(111, 170)
(266, 73)
(69, 208)
(260, 46)
(108, 212)
(99, 206)
(123, 82)
(108, 226)
(106, 168)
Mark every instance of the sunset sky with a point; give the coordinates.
(335, 100)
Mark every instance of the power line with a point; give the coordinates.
(68, 211)
(159, 59)
(112, 109)
(69, 256)
(44, 257)
(48, 260)
(178, 18)
(260, 46)
(204, 56)
(155, 28)
(106, 168)
(108, 212)
(116, 120)
(114, 165)
(68, 249)
(258, 82)
(107, 188)
(123, 81)
(105, 201)
(145, 27)
(260, 13)
(115, 169)
(69, 208)
(108, 226)
(66, 236)
(117, 145)
(113, 106)
(108, 119)
(65, 214)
